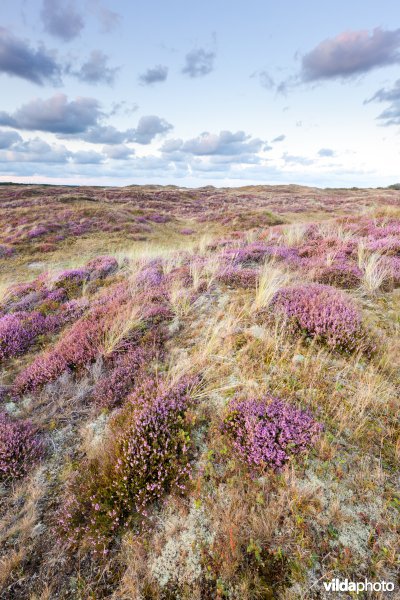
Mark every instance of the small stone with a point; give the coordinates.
(175, 326)
(257, 332)
(38, 530)
(11, 408)
(36, 266)
(298, 359)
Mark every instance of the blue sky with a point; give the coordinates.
(222, 92)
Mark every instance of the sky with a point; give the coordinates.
(218, 92)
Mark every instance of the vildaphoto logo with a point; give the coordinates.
(344, 585)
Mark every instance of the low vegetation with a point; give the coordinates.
(199, 391)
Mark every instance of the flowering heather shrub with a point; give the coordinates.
(387, 245)
(6, 251)
(18, 332)
(101, 266)
(150, 457)
(265, 433)
(342, 275)
(36, 232)
(72, 310)
(80, 344)
(320, 247)
(255, 252)
(258, 251)
(151, 276)
(187, 231)
(26, 303)
(156, 218)
(321, 312)
(45, 367)
(58, 295)
(20, 447)
(285, 253)
(72, 279)
(239, 277)
(157, 312)
(19, 290)
(393, 264)
(112, 389)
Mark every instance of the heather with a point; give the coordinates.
(320, 312)
(199, 390)
(150, 457)
(265, 433)
(20, 448)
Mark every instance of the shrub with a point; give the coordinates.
(321, 312)
(72, 277)
(236, 277)
(18, 332)
(342, 275)
(255, 252)
(101, 266)
(80, 344)
(112, 389)
(72, 280)
(151, 276)
(265, 433)
(20, 447)
(149, 458)
(44, 368)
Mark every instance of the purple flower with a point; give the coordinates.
(18, 332)
(265, 433)
(20, 447)
(321, 312)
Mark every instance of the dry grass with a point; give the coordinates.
(9, 563)
(120, 327)
(375, 273)
(293, 235)
(272, 278)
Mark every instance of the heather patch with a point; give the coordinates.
(149, 456)
(343, 275)
(238, 277)
(265, 433)
(321, 312)
(20, 447)
(18, 331)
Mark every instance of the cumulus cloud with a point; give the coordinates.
(55, 115)
(8, 138)
(118, 152)
(107, 134)
(19, 59)
(81, 119)
(279, 138)
(224, 143)
(391, 115)
(95, 69)
(291, 159)
(149, 127)
(214, 151)
(154, 75)
(87, 157)
(325, 152)
(36, 150)
(198, 63)
(351, 53)
(61, 19)
(171, 145)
